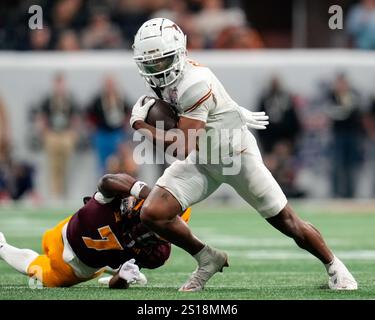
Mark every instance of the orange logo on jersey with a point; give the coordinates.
(136, 250)
(117, 216)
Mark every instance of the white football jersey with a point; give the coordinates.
(199, 95)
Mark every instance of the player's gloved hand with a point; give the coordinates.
(255, 120)
(140, 110)
(258, 120)
(141, 280)
(129, 271)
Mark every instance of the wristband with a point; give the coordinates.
(137, 188)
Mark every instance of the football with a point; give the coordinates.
(161, 111)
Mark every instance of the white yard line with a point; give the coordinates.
(232, 241)
(294, 255)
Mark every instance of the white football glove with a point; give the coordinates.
(141, 280)
(140, 111)
(255, 120)
(129, 271)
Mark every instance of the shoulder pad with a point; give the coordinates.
(194, 95)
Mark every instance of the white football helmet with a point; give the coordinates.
(160, 51)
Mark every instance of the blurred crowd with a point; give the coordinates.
(361, 25)
(16, 177)
(59, 128)
(336, 128)
(71, 25)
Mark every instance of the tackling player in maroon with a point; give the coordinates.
(105, 232)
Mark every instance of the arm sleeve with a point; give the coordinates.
(202, 110)
(197, 101)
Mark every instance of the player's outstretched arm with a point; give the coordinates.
(122, 184)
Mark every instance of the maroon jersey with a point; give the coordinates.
(101, 235)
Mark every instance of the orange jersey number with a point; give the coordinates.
(108, 240)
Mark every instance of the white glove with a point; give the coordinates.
(255, 120)
(140, 110)
(141, 280)
(129, 271)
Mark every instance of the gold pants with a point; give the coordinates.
(50, 267)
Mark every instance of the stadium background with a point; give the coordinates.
(247, 44)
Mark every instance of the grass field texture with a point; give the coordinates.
(263, 263)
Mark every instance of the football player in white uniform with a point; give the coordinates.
(203, 104)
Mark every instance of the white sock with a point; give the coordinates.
(19, 259)
(330, 264)
(203, 255)
(335, 265)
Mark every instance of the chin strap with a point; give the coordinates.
(157, 92)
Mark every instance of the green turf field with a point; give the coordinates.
(263, 263)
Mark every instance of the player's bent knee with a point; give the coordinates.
(146, 215)
(152, 214)
(157, 211)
